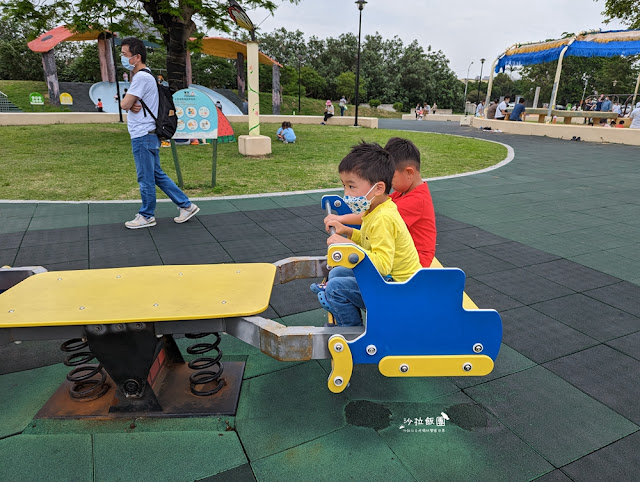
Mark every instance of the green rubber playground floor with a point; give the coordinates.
(550, 241)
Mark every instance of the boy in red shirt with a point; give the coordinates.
(412, 197)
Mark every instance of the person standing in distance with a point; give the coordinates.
(144, 141)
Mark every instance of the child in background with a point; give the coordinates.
(289, 137)
(366, 174)
(412, 196)
(99, 105)
(279, 131)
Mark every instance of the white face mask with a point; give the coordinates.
(125, 63)
(358, 204)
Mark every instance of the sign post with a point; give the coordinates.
(35, 98)
(197, 119)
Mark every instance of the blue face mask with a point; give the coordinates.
(125, 63)
(358, 204)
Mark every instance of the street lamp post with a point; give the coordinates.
(466, 82)
(480, 80)
(361, 4)
(299, 64)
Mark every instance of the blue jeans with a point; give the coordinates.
(146, 153)
(343, 294)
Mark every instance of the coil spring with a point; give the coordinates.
(85, 387)
(203, 376)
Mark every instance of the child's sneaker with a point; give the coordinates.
(186, 213)
(318, 287)
(140, 222)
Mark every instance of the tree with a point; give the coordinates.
(627, 11)
(172, 20)
(346, 85)
(82, 67)
(17, 62)
(213, 72)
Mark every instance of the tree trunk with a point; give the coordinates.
(178, 32)
(275, 90)
(51, 77)
(240, 75)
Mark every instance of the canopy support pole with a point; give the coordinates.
(556, 81)
(490, 86)
(635, 93)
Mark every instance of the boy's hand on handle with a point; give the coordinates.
(332, 219)
(336, 238)
(337, 226)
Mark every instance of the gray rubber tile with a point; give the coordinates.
(206, 253)
(623, 295)
(556, 419)
(518, 254)
(224, 219)
(475, 237)
(115, 230)
(610, 263)
(123, 260)
(52, 253)
(589, 316)
(68, 265)
(308, 210)
(618, 461)
(572, 275)
(445, 223)
(446, 243)
(293, 297)
(304, 242)
(524, 286)
(7, 256)
(242, 473)
(269, 420)
(629, 344)
(30, 354)
(486, 297)
(141, 242)
(11, 240)
(473, 262)
(554, 476)
(55, 236)
(540, 337)
(268, 214)
(176, 235)
(256, 247)
(473, 446)
(294, 225)
(237, 232)
(294, 200)
(605, 374)
(254, 204)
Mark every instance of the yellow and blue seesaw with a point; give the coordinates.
(126, 319)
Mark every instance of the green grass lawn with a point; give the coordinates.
(94, 162)
(18, 91)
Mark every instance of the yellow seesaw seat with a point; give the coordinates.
(140, 294)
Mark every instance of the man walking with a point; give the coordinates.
(144, 141)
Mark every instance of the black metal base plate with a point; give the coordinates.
(173, 393)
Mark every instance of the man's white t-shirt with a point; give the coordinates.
(501, 106)
(144, 87)
(635, 116)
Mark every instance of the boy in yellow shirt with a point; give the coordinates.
(366, 174)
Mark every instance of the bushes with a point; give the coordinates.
(374, 103)
(398, 106)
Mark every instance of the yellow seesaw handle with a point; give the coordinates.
(341, 363)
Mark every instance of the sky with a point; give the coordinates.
(465, 30)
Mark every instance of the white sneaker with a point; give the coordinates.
(140, 222)
(186, 213)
